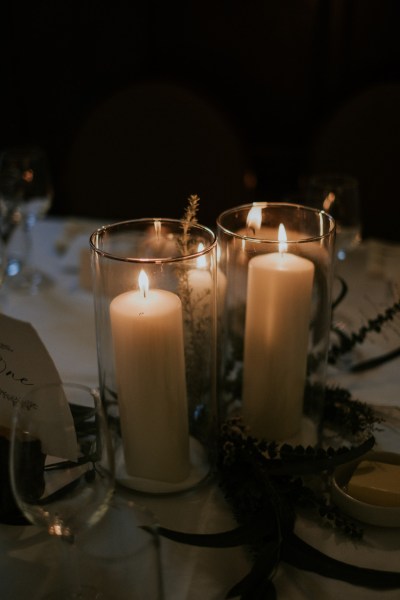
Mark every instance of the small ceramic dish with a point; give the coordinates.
(382, 516)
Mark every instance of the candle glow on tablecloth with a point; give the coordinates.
(147, 333)
(278, 314)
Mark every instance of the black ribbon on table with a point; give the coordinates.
(291, 550)
(269, 535)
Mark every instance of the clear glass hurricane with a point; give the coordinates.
(61, 469)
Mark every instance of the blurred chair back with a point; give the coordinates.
(145, 149)
(362, 138)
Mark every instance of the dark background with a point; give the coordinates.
(278, 70)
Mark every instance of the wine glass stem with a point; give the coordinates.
(71, 569)
(28, 224)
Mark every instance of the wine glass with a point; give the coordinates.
(2, 258)
(10, 218)
(62, 467)
(338, 195)
(26, 194)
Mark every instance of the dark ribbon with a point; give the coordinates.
(291, 550)
(271, 544)
(372, 363)
(342, 294)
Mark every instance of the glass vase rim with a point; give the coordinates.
(153, 260)
(254, 239)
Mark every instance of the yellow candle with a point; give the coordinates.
(278, 314)
(147, 333)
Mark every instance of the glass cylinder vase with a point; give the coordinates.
(155, 308)
(275, 270)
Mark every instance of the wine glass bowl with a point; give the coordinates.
(61, 462)
(338, 195)
(26, 194)
(10, 218)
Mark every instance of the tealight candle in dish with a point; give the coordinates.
(368, 489)
(376, 482)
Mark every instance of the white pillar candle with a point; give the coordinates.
(278, 315)
(147, 333)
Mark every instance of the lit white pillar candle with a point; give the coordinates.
(147, 333)
(278, 315)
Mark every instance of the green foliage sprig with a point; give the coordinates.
(189, 218)
(347, 415)
(188, 305)
(347, 342)
(196, 315)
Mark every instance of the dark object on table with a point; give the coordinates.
(10, 513)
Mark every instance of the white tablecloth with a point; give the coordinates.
(63, 316)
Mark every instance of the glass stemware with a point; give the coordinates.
(61, 467)
(26, 194)
(338, 195)
(10, 218)
(2, 258)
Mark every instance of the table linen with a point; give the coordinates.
(63, 316)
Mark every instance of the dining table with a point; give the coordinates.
(114, 553)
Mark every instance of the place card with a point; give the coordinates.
(24, 365)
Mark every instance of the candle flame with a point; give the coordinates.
(201, 260)
(143, 283)
(28, 175)
(254, 218)
(282, 238)
(328, 201)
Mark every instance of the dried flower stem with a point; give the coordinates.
(347, 342)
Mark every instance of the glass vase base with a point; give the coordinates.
(199, 470)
